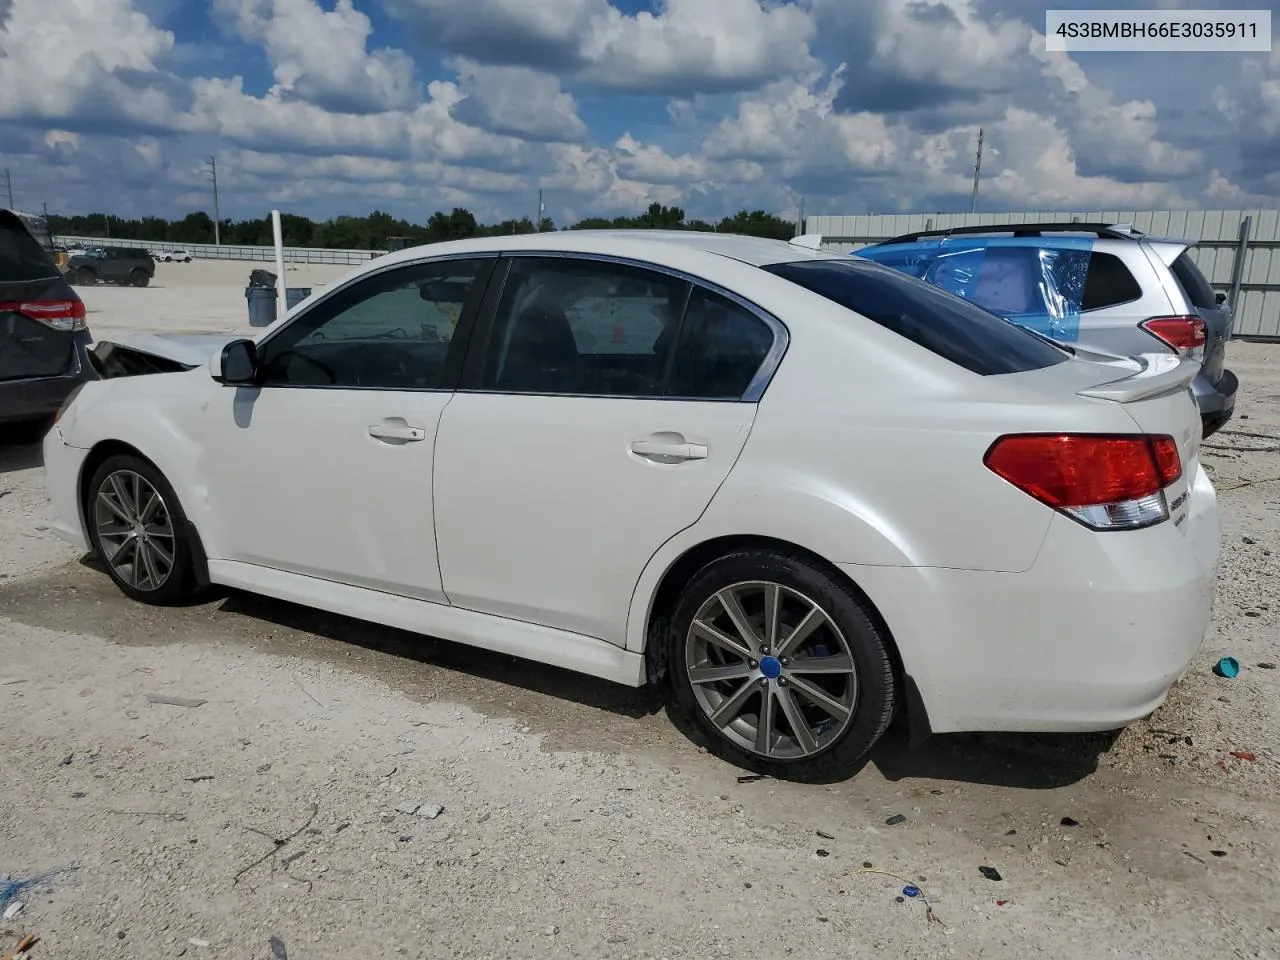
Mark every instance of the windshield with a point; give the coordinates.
(940, 322)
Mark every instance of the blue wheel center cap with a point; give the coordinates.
(770, 667)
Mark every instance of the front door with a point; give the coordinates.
(589, 437)
(325, 469)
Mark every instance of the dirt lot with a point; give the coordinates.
(577, 821)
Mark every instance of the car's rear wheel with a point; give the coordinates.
(781, 665)
(139, 531)
(139, 277)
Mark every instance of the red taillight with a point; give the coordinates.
(59, 314)
(1184, 334)
(1105, 482)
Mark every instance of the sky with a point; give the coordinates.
(328, 107)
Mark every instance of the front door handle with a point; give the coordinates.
(393, 432)
(669, 451)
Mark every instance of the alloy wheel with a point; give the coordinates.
(135, 530)
(771, 670)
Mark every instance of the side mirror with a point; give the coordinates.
(237, 364)
(1221, 298)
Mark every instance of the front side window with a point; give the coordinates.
(393, 331)
(583, 327)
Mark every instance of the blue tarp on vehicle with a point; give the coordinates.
(1036, 282)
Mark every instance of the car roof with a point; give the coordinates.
(756, 251)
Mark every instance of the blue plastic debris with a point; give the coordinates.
(1228, 667)
(910, 891)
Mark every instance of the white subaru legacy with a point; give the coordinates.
(800, 490)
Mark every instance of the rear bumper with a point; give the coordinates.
(40, 397)
(1092, 637)
(1217, 401)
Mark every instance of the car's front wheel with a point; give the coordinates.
(781, 664)
(139, 531)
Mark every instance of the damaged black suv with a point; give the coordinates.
(44, 340)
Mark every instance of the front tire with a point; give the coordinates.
(781, 665)
(139, 531)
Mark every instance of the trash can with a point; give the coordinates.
(262, 305)
(294, 296)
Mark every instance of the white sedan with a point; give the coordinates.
(175, 256)
(802, 491)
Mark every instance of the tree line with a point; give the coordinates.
(374, 231)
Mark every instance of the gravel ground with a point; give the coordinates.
(577, 821)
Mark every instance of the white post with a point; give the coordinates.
(280, 281)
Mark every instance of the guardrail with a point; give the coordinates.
(232, 251)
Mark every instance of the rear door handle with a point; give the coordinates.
(666, 451)
(396, 432)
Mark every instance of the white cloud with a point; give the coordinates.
(74, 58)
(686, 46)
(516, 102)
(321, 55)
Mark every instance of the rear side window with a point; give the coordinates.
(722, 346)
(940, 322)
(1194, 283)
(1108, 283)
(22, 259)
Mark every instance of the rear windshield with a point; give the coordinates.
(1193, 282)
(22, 259)
(939, 321)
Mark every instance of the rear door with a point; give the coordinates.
(583, 438)
(35, 336)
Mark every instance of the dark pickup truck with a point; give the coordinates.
(129, 265)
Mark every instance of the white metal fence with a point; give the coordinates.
(1238, 250)
(232, 251)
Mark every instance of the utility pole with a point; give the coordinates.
(212, 164)
(537, 221)
(800, 219)
(8, 182)
(977, 174)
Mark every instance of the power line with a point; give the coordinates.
(212, 164)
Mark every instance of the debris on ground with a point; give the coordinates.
(409, 806)
(278, 951)
(824, 835)
(1244, 755)
(550, 930)
(991, 873)
(430, 810)
(1227, 667)
(920, 895)
(1218, 853)
(386, 771)
(66, 761)
(175, 701)
(1265, 665)
(896, 819)
(199, 778)
(1069, 822)
(754, 777)
(12, 910)
(197, 942)
(25, 944)
(277, 842)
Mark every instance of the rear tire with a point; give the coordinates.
(139, 277)
(139, 531)
(820, 682)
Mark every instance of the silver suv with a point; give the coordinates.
(1105, 287)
